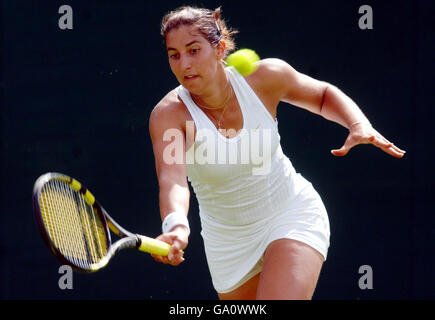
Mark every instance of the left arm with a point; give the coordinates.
(325, 100)
(340, 108)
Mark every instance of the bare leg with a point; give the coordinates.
(247, 291)
(290, 271)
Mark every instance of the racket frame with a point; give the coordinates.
(128, 239)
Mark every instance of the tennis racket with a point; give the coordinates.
(76, 227)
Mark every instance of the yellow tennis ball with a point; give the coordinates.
(244, 60)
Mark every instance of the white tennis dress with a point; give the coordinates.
(248, 192)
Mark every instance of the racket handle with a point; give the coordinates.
(153, 246)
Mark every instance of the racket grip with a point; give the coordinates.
(153, 246)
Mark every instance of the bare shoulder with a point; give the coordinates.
(272, 75)
(272, 65)
(170, 106)
(170, 112)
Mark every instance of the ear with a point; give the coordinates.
(221, 49)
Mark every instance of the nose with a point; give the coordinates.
(185, 63)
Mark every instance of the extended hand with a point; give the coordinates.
(362, 133)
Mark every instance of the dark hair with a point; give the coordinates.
(208, 23)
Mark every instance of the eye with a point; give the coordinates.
(173, 55)
(194, 50)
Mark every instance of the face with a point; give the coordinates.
(193, 60)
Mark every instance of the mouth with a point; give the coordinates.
(190, 77)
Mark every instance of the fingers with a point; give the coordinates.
(175, 255)
(387, 146)
(343, 150)
(380, 141)
(174, 258)
(340, 152)
(375, 138)
(395, 151)
(391, 150)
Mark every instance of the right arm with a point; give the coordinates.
(166, 119)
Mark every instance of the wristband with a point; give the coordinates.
(175, 219)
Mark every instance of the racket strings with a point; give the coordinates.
(74, 220)
(72, 224)
(90, 223)
(61, 224)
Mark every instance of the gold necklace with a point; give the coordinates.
(224, 107)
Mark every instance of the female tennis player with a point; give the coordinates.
(266, 232)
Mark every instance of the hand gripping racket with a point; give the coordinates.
(76, 227)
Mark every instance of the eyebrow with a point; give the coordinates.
(187, 45)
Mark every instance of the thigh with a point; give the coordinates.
(290, 271)
(247, 291)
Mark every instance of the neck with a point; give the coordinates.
(218, 95)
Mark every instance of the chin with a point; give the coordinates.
(194, 88)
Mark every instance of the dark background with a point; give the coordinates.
(78, 102)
